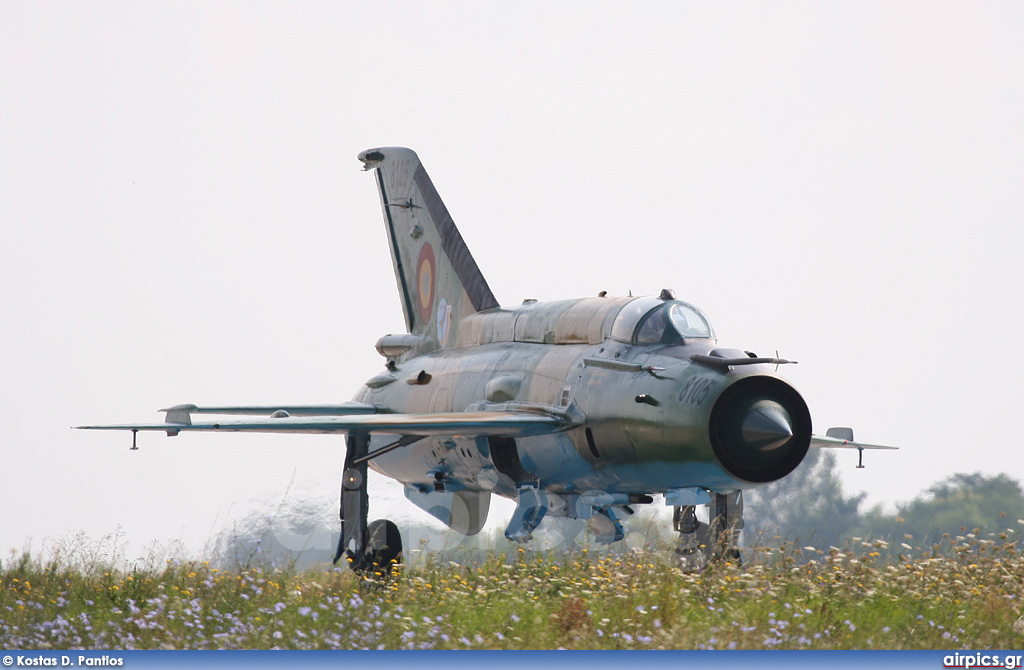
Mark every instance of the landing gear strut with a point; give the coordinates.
(726, 522)
(374, 547)
(685, 522)
(700, 542)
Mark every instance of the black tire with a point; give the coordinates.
(383, 546)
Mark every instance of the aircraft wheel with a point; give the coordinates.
(383, 546)
(692, 557)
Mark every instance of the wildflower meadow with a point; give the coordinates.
(964, 592)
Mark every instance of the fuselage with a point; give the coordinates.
(648, 417)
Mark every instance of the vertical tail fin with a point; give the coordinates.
(438, 280)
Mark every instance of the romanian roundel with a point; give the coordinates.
(426, 276)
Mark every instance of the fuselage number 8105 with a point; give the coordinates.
(696, 390)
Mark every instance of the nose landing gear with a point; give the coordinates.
(689, 549)
(699, 542)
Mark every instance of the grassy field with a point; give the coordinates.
(964, 593)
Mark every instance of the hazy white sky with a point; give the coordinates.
(184, 219)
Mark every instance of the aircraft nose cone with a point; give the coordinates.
(767, 426)
(760, 429)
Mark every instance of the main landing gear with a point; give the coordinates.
(700, 542)
(368, 548)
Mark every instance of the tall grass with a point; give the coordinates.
(964, 592)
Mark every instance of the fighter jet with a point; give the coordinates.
(579, 408)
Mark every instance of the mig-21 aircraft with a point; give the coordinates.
(580, 408)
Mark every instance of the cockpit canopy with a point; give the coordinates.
(657, 321)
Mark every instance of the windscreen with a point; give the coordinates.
(671, 323)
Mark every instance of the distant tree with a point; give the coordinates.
(957, 505)
(808, 506)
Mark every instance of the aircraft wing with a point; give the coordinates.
(339, 409)
(453, 424)
(840, 443)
